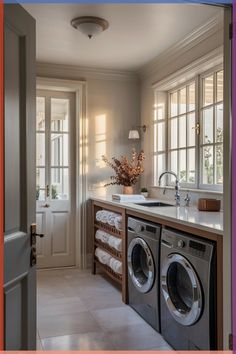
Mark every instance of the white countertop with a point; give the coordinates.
(190, 216)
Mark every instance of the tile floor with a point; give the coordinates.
(81, 311)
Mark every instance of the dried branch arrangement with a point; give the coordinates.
(127, 171)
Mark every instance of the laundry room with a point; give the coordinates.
(129, 234)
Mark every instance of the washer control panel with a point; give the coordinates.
(186, 243)
(143, 228)
(197, 248)
(181, 243)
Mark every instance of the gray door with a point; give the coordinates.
(19, 275)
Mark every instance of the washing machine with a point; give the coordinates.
(143, 269)
(188, 291)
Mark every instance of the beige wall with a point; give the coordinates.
(112, 109)
(116, 101)
(114, 106)
(211, 40)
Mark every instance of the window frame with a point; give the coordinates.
(49, 131)
(213, 71)
(197, 79)
(168, 118)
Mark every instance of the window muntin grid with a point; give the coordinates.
(187, 105)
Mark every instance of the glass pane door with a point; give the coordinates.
(59, 139)
(40, 149)
(56, 177)
(52, 146)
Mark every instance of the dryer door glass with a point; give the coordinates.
(141, 265)
(181, 289)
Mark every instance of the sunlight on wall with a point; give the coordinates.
(84, 145)
(100, 139)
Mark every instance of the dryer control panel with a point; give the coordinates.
(145, 228)
(187, 243)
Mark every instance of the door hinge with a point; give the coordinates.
(230, 30)
(230, 341)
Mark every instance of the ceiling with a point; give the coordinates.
(137, 32)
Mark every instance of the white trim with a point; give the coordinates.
(193, 39)
(207, 191)
(79, 88)
(81, 72)
(206, 62)
(211, 72)
(211, 62)
(227, 202)
(186, 148)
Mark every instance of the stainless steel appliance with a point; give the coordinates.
(188, 291)
(143, 269)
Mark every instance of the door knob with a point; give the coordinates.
(46, 205)
(34, 234)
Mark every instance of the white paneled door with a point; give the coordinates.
(55, 178)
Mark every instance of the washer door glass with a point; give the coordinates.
(181, 289)
(141, 265)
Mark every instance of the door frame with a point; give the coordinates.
(1, 175)
(79, 88)
(227, 187)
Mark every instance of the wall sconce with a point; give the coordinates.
(134, 133)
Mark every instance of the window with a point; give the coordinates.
(40, 148)
(181, 124)
(52, 145)
(188, 132)
(211, 139)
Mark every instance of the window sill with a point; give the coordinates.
(185, 189)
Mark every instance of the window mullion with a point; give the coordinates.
(186, 132)
(173, 111)
(214, 125)
(48, 141)
(167, 133)
(198, 98)
(178, 110)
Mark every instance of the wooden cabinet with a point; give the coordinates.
(219, 259)
(119, 255)
(122, 279)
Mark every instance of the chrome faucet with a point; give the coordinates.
(187, 200)
(177, 195)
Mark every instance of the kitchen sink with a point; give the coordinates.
(154, 204)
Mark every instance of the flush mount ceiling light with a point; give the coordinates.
(89, 25)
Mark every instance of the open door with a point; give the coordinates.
(19, 120)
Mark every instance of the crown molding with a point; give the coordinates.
(190, 41)
(211, 59)
(83, 73)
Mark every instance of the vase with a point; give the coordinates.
(128, 190)
(145, 194)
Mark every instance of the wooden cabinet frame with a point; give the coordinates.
(181, 227)
(122, 280)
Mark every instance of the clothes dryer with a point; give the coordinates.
(143, 269)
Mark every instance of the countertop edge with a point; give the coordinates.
(148, 212)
